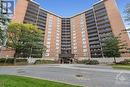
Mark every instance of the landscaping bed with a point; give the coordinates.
(46, 62)
(10, 61)
(89, 62)
(125, 65)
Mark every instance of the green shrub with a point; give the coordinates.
(49, 62)
(21, 60)
(90, 62)
(128, 60)
(8, 61)
(11, 61)
(45, 62)
(125, 62)
(85, 61)
(38, 62)
(93, 62)
(2, 60)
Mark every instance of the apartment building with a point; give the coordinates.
(80, 36)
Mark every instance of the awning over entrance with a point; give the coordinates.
(66, 55)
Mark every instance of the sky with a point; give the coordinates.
(68, 8)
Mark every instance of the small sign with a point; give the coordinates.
(7, 7)
(121, 78)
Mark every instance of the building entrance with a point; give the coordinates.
(66, 58)
(66, 61)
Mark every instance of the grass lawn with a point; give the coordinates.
(19, 81)
(124, 67)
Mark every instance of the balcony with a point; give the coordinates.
(93, 39)
(94, 42)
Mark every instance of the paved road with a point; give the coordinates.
(85, 75)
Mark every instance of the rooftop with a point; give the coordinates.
(68, 16)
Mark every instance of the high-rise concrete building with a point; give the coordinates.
(80, 36)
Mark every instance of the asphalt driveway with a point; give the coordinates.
(85, 75)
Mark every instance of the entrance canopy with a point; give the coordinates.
(66, 55)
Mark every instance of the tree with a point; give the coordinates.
(3, 31)
(26, 40)
(127, 16)
(33, 42)
(14, 31)
(127, 11)
(113, 47)
(1, 37)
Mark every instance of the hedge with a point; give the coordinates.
(90, 62)
(45, 62)
(124, 62)
(11, 60)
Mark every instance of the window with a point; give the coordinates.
(83, 32)
(84, 54)
(49, 32)
(74, 31)
(50, 26)
(48, 50)
(82, 23)
(75, 47)
(48, 39)
(48, 42)
(83, 39)
(73, 25)
(84, 46)
(74, 41)
(57, 44)
(57, 34)
(84, 50)
(75, 51)
(58, 28)
(48, 46)
(58, 31)
(50, 17)
(47, 54)
(49, 35)
(74, 34)
(58, 41)
(74, 37)
(84, 42)
(83, 35)
(58, 19)
(57, 37)
(57, 48)
(75, 44)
